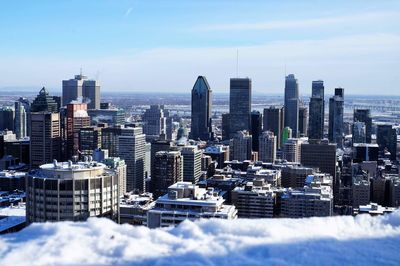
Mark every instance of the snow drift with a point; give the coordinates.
(344, 240)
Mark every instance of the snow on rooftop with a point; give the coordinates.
(340, 240)
(11, 216)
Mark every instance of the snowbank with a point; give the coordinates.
(363, 240)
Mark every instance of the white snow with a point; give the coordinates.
(342, 240)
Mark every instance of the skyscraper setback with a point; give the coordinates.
(239, 105)
(316, 111)
(201, 127)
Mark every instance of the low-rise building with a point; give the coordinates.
(133, 208)
(185, 200)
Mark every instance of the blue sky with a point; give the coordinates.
(164, 45)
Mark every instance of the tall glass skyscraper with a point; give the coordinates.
(239, 105)
(336, 109)
(316, 111)
(364, 115)
(292, 104)
(201, 127)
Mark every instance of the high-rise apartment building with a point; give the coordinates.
(336, 111)
(240, 146)
(292, 104)
(71, 192)
(291, 150)
(239, 105)
(201, 127)
(131, 148)
(168, 171)
(89, 140)
(273, 120)
(161, 144)
(267, 147)
(364, 116)
(191, 164)
(316, 111)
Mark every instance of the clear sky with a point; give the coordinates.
(164, 45)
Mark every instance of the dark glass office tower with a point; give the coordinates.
(201, 110)
(256, 128)
(317, 111)
(303, 121)
(386, 137)
(273, 121)
(292, 104)
(44, 102)
(364, 115)
(239, 105)
(336, 109)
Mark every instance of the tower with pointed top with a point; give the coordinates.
(201, 127)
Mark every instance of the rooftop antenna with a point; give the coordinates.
(237, 63)
(81, 71)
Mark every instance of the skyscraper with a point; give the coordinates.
(168, 171)
(239, 105)
(267, 147)
(44, 102)
(131, 148)
(77, 118)
(273, 120)
(364, 115)
(191, 164)
(292, 104)
(20, 122)
(256, 128)
(291, 150)
(201, 127)
(386, 138)
(154, 121)
(303, 121)
(316, 111)
(336, 110)
(6, 118)
(45, 138)
(359, 132)
(240, 146)
(225, 126)
(81, 86)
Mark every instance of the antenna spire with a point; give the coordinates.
(81, 71)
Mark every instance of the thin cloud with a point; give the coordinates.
(304, 23)
(128, 12)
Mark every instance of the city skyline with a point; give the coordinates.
(124, 44)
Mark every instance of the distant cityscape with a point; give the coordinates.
(159, 159)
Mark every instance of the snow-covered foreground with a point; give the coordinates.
(363, 240)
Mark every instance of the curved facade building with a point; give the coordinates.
(71, 192)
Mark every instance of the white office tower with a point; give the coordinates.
(191, 164)
(132, 148)
(291, 150)
(255, 200)
(187, 201)
(71, 192)
(240, 146)
(267, 147)
(118, 165)
(314, 199)
(20, 125)
(154, 121)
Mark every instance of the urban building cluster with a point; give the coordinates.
(73, 156)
